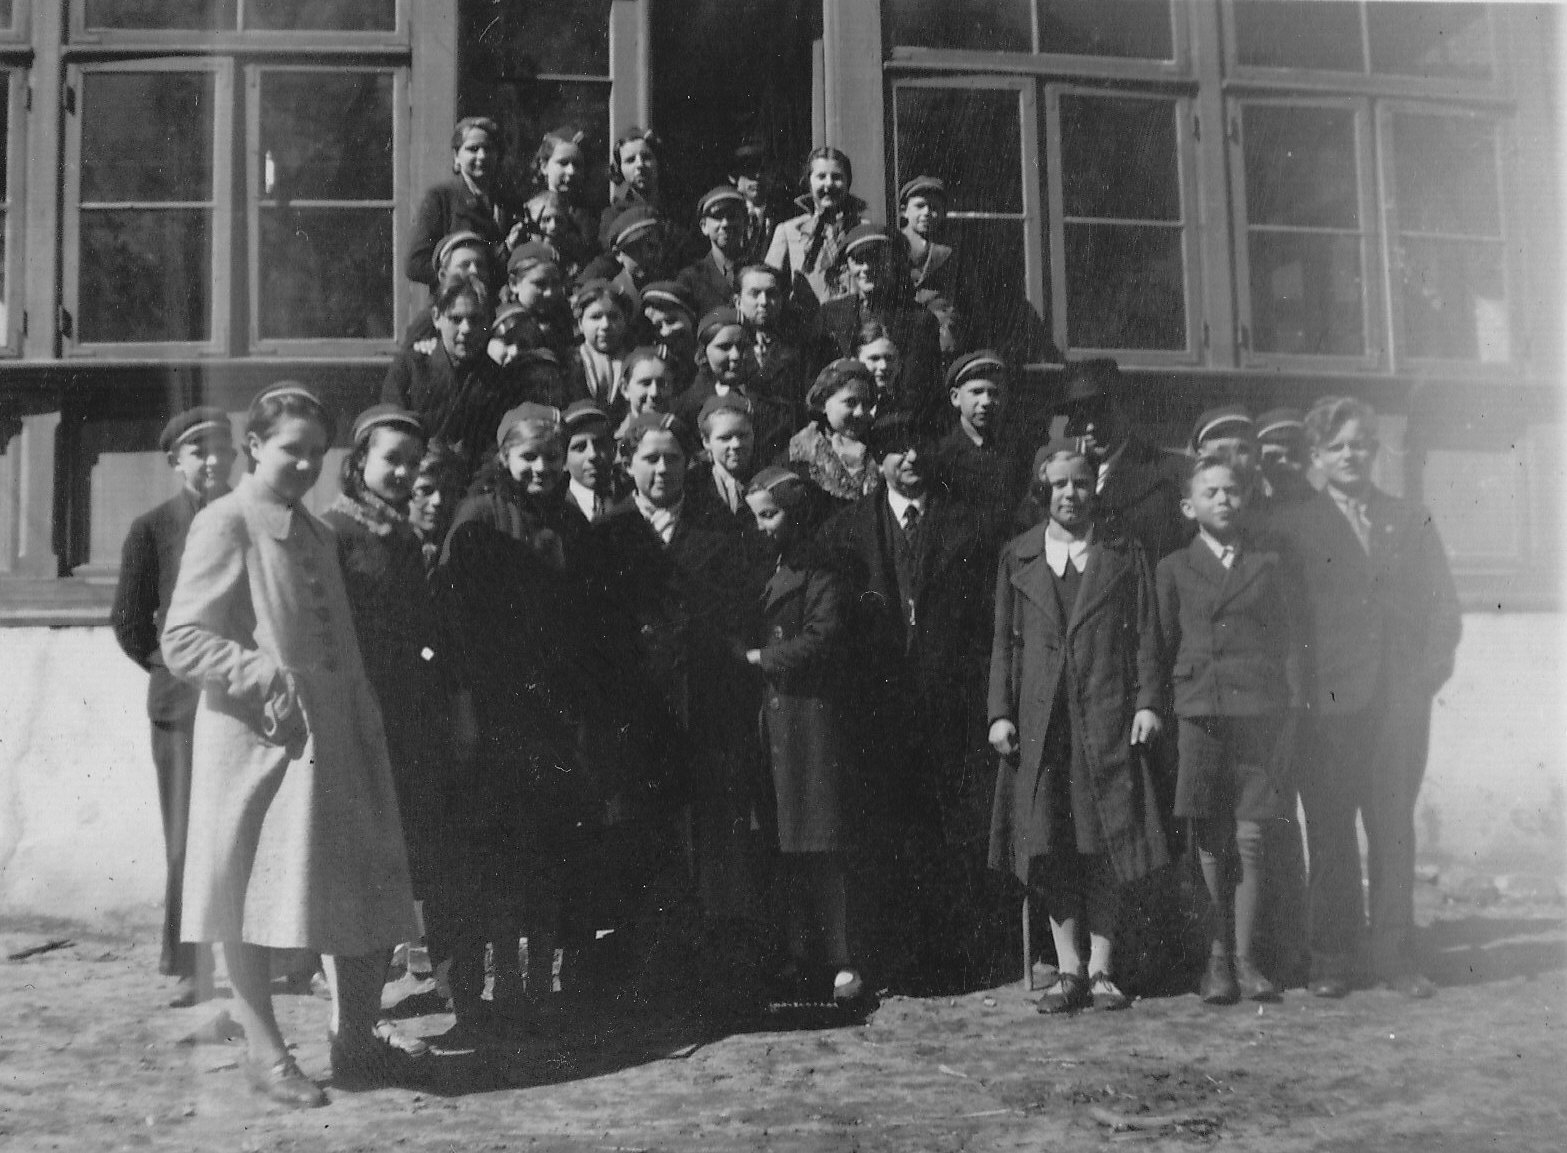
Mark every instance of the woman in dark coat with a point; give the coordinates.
(800, 656)
(475, 201)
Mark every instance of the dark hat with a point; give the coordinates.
(583, 412)
(1057, 444)
(387, 416)
(927, 185)
(1225, 419)
(455, 240)
(670, 294)
(1281, 425)
(749, 158)
(647, 421)
(193, 423)
(730, 402)
(864, 235)
(530, 255)
(1092, 380)
(981, 363)
(508, 316)
(837, 374)
(721, 317)
(527, 411)
(892, 430)
(632, 223)
(718, 196)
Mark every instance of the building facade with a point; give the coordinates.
(1261, 200)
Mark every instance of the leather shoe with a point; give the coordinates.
(1218, 983)
(374, 1063)
(282, 1081)
(1411, 984)
(184, 994)
(1329, 985)
(1107, 995)
(1251, 983)
(1067, 994)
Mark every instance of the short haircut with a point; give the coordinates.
(1204, 461)
(468, 288)
(1331, 413)
(597, 292)
(870, 332)
(760, 270)
(484, 124)
(641, 354)
(705, 423)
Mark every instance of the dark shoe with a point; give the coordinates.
(1411, 984)
(1218, 983)
(184, 994)
(1107, 996)
(848, 988)
(1330, 985)
(1067, 994)
(375, 1064)
(282, 1082)
(1253, 985)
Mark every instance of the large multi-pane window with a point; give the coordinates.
(1130, 29)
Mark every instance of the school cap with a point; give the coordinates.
(922, 186)
(1223, 420)
(387, 416)
(1057, 444)
(193, 423)
(645, 422)
(1089, 381)
(837, 374)
(453, 240)
(982, 362)
(507, 317)
(669, 294)
(632, 223)
(528, 412)
(1281, 425)
(583, 412)
(863, 236)
(891, 431)
(720, 317)
(717, 197)
(733, 402)
(531, 255)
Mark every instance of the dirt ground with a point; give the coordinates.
(90, 1059)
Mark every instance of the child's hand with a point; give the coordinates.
(1003, 737)
(1146, 727)
(518, 233)
(754, 657)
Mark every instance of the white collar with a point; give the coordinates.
(587, 500)
(1058, 552)
(1218, 549)
(900, 503)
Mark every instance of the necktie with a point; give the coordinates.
(1227, 556)
(911, 519)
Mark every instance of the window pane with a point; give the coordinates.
(981, 25)
(526, 110)
(1118, 158)
(1306, 294)
(172, 15)
(517, 39)
(1298, 34)
(326, 273)
(5, 135)
(147, 136)
(991, 282)
(7, 14)
(969, 137)
(1139, 28)
(1455, 300)
(146, 275)
(324, 15)
(1422, 39)
(1125, 287)
(326, 136)
(1445, 175)
(1300, 166)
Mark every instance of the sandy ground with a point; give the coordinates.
(90, 1059)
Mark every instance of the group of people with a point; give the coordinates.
(751, 591)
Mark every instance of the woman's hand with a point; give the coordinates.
(282, 715)
(1003, 737)
(1146, 727)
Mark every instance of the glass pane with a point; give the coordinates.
(326, 273)
(1300, 166)
(1125, 287)
(147, 136)
(979, 25)
(1455, 300)
(527, 109)
(517, 39)
(1445, 174)
(323, 15)
(1306, 294)
(970, 137)
(5, 136)
(171, 15)
(1118, 158)
(7, 13)
(326, 135)
(1298, 34)
(1138, 28)
(5, 300)
(991, 284)
(146, 275)
(1422, 39)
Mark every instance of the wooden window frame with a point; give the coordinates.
(325, 347)
(1190, 227)
(1373, 276)
(21, 26)
(222, 235)
(219, 41)
(15, 232)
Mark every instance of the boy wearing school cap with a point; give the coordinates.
(593, 483)
(922, 204)
(714, 281)
(1283, 455)
(671, 312)
(636, 253)
(979, 460)
(456, 257)
(919, 637)
(199, 445)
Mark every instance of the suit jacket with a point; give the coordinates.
(1389, 619)
(1141, 499)
(708, 285)
(149, 567)
(452, 207)
(918, 386)
(1108, 649)
(1233, 638)
(991, 478)
(461, 404)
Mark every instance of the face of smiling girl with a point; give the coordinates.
(829, 183)
(476, 157)
(849, 410)
(563, 167)
(601, 326)
(288, 459)
(536, 461)
(726, 351)
(391, 465)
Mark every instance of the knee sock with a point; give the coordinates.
(1213, 851)
(1104, 912)
(1248, 894)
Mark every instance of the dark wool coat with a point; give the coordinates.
(772, 419)
(149, 567)
(1387, 620)
(1232, 638)
(803, 619)
(708, 285)
(990, 478)
(918, 386)
(1108, 651)
(1141, 498)
(461, 404)
(452, 207)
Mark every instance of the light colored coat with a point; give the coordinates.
(295, 840)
